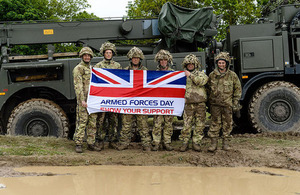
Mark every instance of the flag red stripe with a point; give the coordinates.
(105, 77)
(164, 78)
(137, 92)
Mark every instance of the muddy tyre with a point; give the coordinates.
(275, 107)
(38, 117)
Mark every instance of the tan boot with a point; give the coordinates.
(99, 145)
(196, 147)
(93, 147)
(225, 144)
(213, 145)
(113, 145)
(78, 149)
(122, 147)
(168, 147)
(184, 147)
(146, 148)
(155, 147)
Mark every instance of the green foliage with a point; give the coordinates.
(150, 8)
(19, 10)
(30, 10)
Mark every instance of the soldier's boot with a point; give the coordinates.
(122, 147)
(113, 145)
(78, 148)
(196, 147)
(99, 145)
(168, 147)
(184, 147)
(213, 145)
(146, 148)
(92, 147)
(225, 146)
(155, 147)
(102, 145)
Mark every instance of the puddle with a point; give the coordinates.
(134, 180)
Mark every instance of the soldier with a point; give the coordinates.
(108, 50)
(195, 107)
(84, 121)
(164, 59)
(225, 91)
(135, 55)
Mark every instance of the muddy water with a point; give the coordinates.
(153, 180)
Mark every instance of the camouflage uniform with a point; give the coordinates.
(195, 107)
(163, 123)
(225, 91)
(84, 121)
(127, 119)
(111, 118)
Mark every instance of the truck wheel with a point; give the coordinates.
(38, 117)
(275, 107)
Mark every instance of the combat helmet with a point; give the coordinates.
(135, 52)
(108, 46)
(163, 55)
(86, 50)
(191, 59)
(223, 56)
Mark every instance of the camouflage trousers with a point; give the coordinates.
(107, 125)
(163, 129)
(194, 114)
(85, 123)
(221, 118)
(142, 125)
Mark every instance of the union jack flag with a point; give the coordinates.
(112, 89)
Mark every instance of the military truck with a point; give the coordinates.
(266, 58)
(36, 92)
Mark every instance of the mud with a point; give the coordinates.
(279, 150)
(153, 180)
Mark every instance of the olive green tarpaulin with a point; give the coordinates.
(183, 24)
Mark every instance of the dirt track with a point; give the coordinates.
(279, 150)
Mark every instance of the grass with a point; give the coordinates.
(268, 141)
(28, 146)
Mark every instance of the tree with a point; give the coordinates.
(151, 8)
(20, 10)
(32, 10)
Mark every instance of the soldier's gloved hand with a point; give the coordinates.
(236, 106)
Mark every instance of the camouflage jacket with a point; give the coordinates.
(81, 75)
(195, 87)
(141, 67)
(224, 89)
(110, 64)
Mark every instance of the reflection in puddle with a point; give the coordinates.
(153, 180)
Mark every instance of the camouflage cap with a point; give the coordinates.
(191, 59)
(223, 56)
(163, 55)
(135, 52)
(86, 50)
(108, 46)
